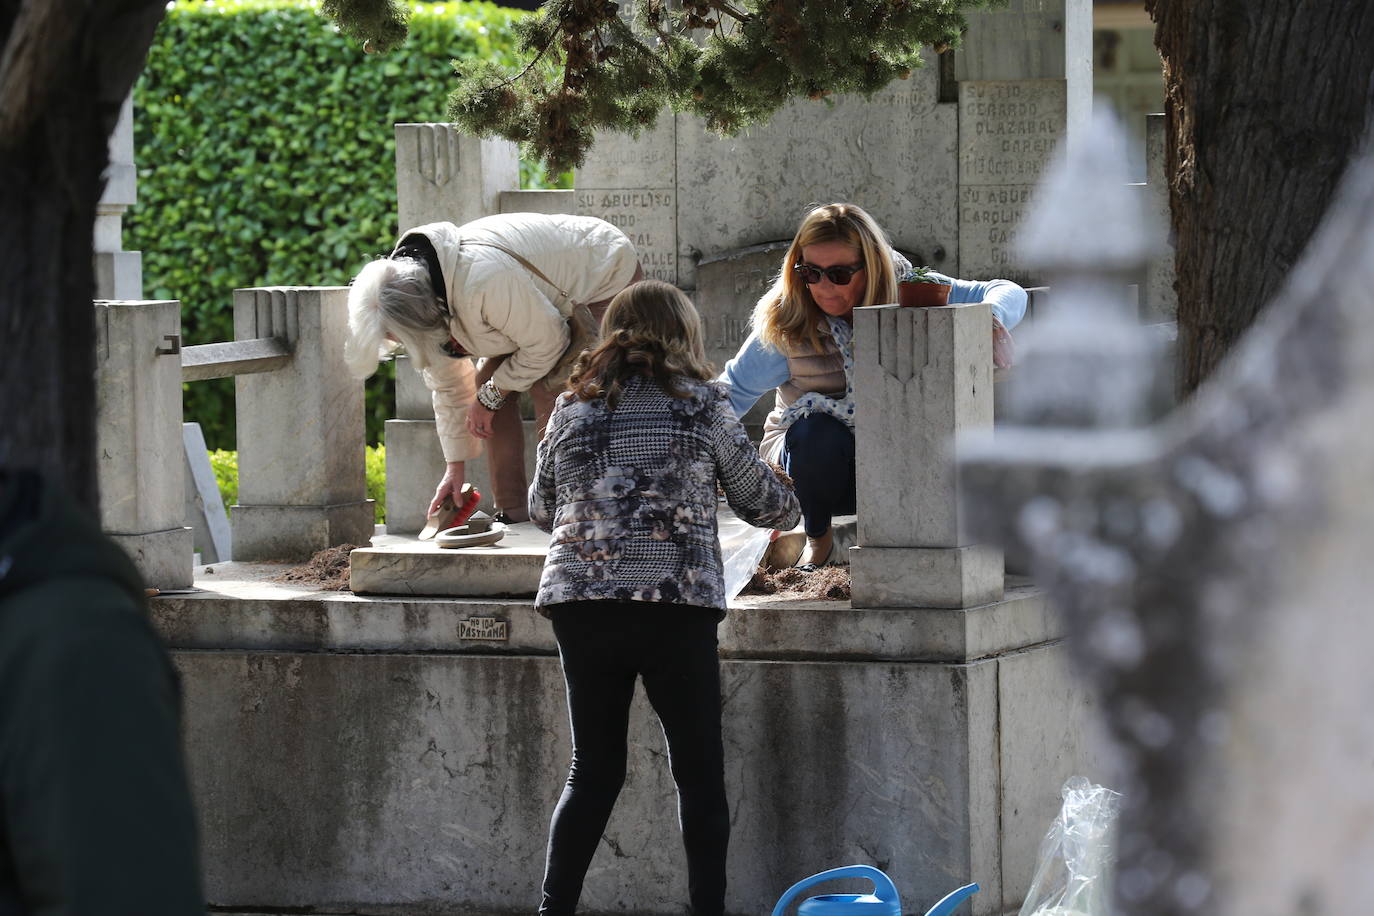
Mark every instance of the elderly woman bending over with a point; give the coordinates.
(501, 288)
(801, 346)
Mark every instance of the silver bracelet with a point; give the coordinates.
(490, 397)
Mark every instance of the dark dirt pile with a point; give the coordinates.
(327, 570)
(825, 583)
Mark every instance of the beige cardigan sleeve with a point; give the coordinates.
(453, 384)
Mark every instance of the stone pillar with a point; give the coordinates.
(118, 273)
(442, 174)
(1025, 85)
(922, 376)
(300, 430)
(1158, 301)
(138, 436)
(414, 460)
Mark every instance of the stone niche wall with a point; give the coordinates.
(685, 195)
(422, 782)
(946, 161)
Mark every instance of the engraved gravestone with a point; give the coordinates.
(728, 286)
(631, 182)
(1007, 133)
(893, 154)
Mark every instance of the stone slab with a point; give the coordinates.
(1047, 751)
(204, 506)
(121, 176)
(405, 566)
(1020, 40)
(631, 182)
(1008, 131)
(297, 532)
(163, 558)
(729, 285)
(647, 216)
(957, 577)
(543, 201)
(239, 606)
(893, 154)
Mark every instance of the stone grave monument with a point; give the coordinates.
(946, 161)
(1211, 566)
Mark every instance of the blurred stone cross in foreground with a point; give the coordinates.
(1211, 564)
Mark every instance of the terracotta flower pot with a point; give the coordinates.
(922, 295)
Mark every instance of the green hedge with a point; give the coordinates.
(266, 155)
(225, 464)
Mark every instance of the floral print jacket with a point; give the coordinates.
(629, 495)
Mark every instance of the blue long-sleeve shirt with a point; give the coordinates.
(758, 368)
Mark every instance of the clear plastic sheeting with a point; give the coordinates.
(1078, 855)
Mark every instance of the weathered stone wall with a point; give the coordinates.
(349, 754)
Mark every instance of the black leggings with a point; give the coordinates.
(604, 646)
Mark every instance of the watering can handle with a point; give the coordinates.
(883, 888)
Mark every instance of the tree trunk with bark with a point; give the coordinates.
(65, 68)
(1266, 104)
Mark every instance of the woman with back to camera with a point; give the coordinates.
(626, 483)
(801, 345)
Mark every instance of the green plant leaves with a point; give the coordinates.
(265, 148)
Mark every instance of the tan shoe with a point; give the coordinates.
(818, 551)
(785, 549)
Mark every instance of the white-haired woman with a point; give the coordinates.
(801, 346)
(501, 288)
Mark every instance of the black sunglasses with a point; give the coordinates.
(810, 274)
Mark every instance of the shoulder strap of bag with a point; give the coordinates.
(526, 264)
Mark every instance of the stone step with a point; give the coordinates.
(243, 607)
(404, 565)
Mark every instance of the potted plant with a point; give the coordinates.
(917, 287)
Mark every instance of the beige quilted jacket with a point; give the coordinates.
(499, 308)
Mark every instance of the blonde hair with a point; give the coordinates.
(396, 297)
(787, 314)
(650, 328)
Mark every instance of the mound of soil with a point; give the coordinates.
(826, 583)
(327, 570)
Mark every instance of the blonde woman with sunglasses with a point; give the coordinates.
(801, 348)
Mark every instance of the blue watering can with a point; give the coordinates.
(882, 902)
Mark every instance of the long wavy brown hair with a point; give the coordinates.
(651, 329)
(787, 314)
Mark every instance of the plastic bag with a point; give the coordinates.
(1078, 855)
